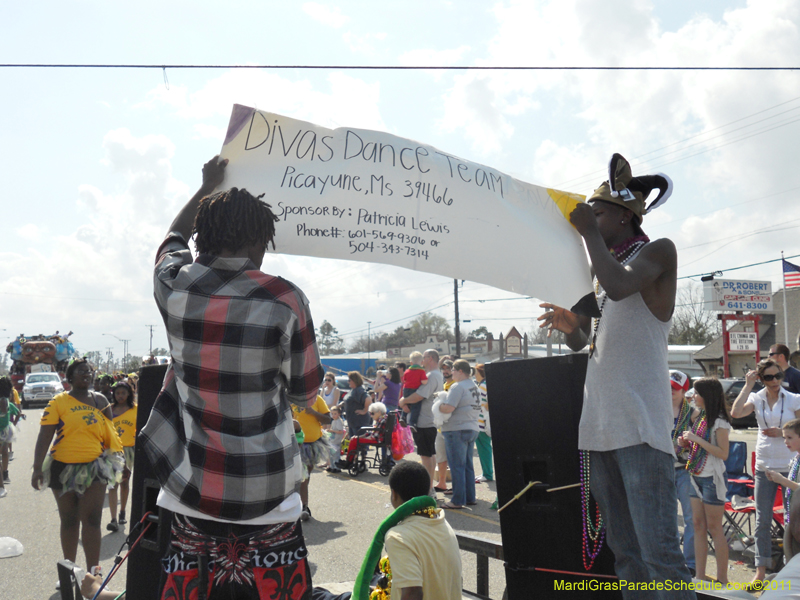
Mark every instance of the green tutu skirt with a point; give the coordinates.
(130, 453)
(77, 477)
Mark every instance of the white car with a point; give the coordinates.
(40, 388)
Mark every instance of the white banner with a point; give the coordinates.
(368, 196)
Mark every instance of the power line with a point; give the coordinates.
(708, 212)
(580, 180)
(383, 67)
(739, 236)
(736, 240)
(742, 267)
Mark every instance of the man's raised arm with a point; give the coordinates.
(618, 280)
(213, 174)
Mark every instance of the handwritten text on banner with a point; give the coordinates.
(369, 196)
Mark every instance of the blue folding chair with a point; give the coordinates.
(740, 483)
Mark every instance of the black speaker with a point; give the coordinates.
(535, 411)
(144, 562)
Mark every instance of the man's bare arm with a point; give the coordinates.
(575, 327)
(213, 174)
(620, 281)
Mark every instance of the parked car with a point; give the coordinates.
(40, 388)
(732, 387)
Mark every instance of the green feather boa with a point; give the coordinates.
(361, 588)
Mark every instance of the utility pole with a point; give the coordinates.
(108, 359)
(151, 338)
(369, 350)
(457, 327)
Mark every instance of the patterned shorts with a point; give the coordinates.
(261, 562)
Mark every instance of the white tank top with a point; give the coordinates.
(329, 397)
(626, 398)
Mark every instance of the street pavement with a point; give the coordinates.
(346, 512)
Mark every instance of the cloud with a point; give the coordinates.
(648, 114)
(363, 44)
(347, 100)
(99, 275)
(30, 231)
(327, 15)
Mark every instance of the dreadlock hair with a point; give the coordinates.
(231, 220)
(5, 387)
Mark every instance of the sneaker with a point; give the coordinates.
(122, 520)
(3, 492)
(6, 478)
(113, 525)
(494, 505)
(96, 570)
(305, 515)
(480, 479)
(11, 455)
(413, 429)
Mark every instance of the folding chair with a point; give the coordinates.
(364, 460)
(740, 483)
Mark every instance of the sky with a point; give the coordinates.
(97, 162)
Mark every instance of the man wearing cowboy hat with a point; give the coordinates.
(626, 420)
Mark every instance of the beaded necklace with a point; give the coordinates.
(593, 532)
(764, 411)
(623, 253)
(383, 589)
(794, 469)
(699, 456)
(682, 424)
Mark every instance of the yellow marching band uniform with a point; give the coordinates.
(88, 446)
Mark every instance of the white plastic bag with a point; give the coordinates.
(9, 547)
(439, 418)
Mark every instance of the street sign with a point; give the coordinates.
(731, 295)
(743, 341)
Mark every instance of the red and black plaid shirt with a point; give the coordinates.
(220, 436)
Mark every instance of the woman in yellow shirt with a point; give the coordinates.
(124, 417)
(84, 460)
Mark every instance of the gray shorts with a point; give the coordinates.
(441, 453)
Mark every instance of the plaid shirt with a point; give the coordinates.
(220, 436)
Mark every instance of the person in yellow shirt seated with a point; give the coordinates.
(423, 550)
(315, 447)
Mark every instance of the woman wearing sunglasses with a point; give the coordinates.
(773, 407)
(330, 393)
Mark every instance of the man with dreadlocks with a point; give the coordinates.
(626, 420)
(220, 436)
